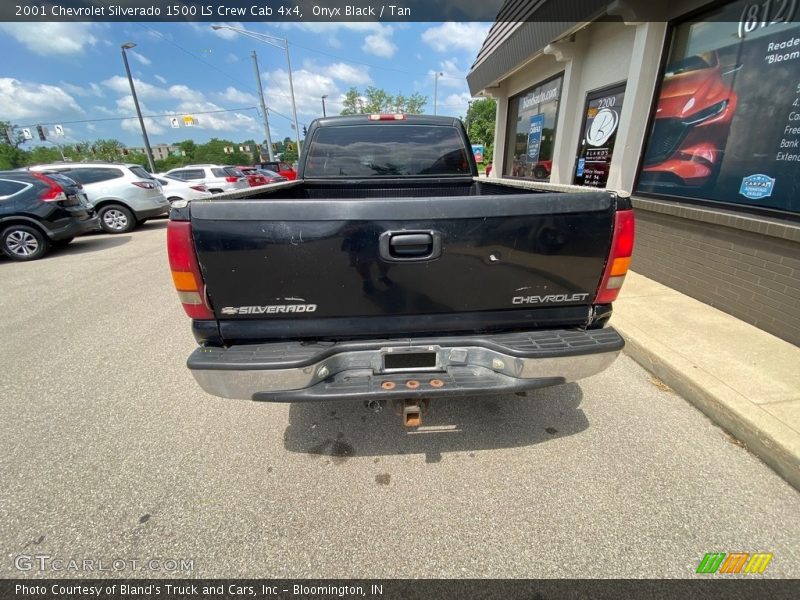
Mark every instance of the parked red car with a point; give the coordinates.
(254, 178)
(281, 168)
(538, 170)
(694, 113)
(272, 176)
(543, 169)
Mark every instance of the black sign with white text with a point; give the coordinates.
(600, 125)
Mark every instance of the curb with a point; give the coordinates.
(765, 436)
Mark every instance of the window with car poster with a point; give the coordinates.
(726, 126)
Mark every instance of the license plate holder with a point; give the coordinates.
(409, 359)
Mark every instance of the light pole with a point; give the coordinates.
(278, 43)
(128, 46)
(323, 105)
(436, 89)
(267, 135)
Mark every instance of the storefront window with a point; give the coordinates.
(727, 123)
(532, 117)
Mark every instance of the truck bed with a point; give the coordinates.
(399, 188)
(305, 261)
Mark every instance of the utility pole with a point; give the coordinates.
(323, 105)
(291, 91)
(267, 135)
(128, 46)
(283, 44)
(436, 90)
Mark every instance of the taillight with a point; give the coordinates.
(186, 270)
(395, 117)
(199, 188)
(146, 185)
(619, 259)
(54, 192)
(231, 179)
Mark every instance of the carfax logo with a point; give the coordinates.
(734, 562)
(756, 187)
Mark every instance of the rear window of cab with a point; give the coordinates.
(386, 151)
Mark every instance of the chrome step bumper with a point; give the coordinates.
(461, 365)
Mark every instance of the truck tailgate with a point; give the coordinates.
(311, 268)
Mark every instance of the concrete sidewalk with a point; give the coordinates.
(746, 380)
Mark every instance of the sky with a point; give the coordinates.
(69, 72)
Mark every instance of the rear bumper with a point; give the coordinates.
(293, 371)
(73, 228)
(152, 212)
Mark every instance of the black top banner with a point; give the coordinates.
(249, 10)
(554, 11)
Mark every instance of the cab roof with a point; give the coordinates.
(407, 120)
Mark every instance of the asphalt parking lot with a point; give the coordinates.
(109, 449)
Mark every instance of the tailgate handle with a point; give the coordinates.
(415, 244)
(410, 245)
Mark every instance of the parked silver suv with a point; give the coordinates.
(124, 195)
(217, 178)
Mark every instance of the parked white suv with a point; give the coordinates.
(217, 178)
(124, 195)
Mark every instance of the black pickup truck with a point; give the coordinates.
(389, 270)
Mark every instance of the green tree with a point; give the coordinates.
(11, 155)
(171, 162)
(73, 154)
(376, 100)
(107, 149)
(42, 154)
(351, 105)
(213, 151)
(480, 120)
(412, 105)
(289, 153)
(253, 154)
(399, 103)
(189, 147)
(138, 158)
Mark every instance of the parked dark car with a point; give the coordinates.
(39, 211)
